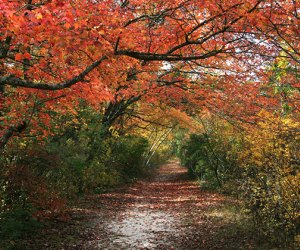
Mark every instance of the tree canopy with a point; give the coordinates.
(214, 53)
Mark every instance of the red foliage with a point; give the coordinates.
(95, 49)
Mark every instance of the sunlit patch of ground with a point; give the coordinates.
(169, 211)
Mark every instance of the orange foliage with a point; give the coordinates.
(92, 49)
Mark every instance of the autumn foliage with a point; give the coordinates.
(82, 81)
(103, 50)
(257, 163)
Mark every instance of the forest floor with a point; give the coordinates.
(166, 211)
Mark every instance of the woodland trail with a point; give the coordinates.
(168, 211)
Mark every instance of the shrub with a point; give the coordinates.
(270, 162)
(260, 165)
(211, 156)
(128, 156)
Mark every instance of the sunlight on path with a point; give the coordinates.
(144, 225)
(139, 228)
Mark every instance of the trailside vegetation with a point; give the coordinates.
(94, 93)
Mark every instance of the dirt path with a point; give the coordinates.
(167, 212)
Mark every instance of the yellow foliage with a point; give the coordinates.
(271, 163)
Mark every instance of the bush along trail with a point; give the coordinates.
(166, 211)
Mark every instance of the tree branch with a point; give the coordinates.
(166, 57)
(18, 82)
(10, 131)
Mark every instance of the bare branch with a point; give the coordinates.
(18, 82)
(166, 57)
